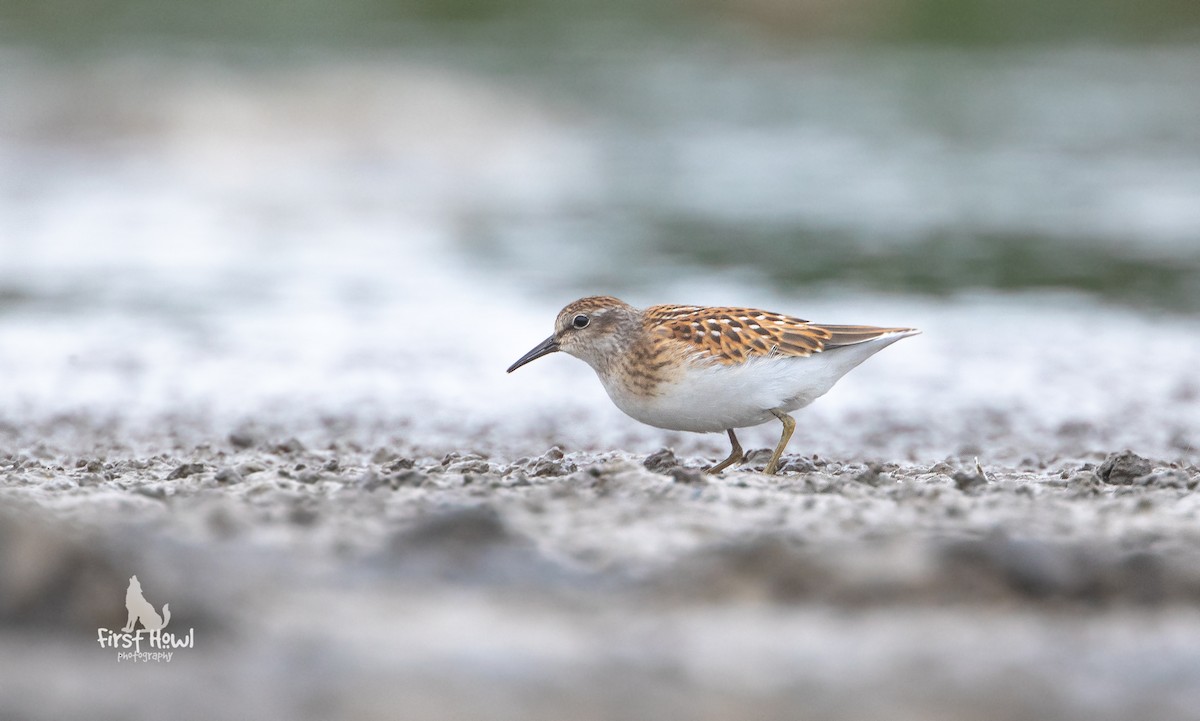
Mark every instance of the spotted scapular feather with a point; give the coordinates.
(735, 335)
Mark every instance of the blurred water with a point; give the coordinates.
(911, 170)
(384, 234)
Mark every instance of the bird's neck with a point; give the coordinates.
(635, 365)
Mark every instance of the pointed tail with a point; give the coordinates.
(844, 335)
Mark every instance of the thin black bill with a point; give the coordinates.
(546, 347)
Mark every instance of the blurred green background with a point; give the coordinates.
(925, 146)
(530, 23)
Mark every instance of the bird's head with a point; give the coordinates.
(593, 329)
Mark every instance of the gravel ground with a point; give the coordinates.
(342, 574)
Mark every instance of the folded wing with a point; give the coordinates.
(734, 335)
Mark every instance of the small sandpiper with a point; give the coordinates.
(706, 370)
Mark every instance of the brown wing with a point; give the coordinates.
(733, 335)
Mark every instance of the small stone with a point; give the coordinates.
(1166, 478)
(661, 461)
(469, 466)
(1123, 468)
(552, 463)
(454, 457)
(290, 446)
(241, 439)
(799, 464)
(872, 475)
(250, 467)
(410, 477)
(1085, 484)
(185, 470)
(966, 481)
(686, 475)
(228, 475)
(757, 456)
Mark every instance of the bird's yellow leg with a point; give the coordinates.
(789, 425)
(735, 455)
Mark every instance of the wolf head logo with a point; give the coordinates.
(141, 610)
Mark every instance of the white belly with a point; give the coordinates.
(709, 398)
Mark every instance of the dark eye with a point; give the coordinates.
(581, 321)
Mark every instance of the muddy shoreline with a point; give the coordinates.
(342, 577)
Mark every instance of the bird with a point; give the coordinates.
(710, 369)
